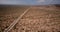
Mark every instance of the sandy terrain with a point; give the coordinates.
(38, 19)
(8, 15)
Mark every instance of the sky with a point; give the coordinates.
(29, 2)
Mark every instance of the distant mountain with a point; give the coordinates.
(57, 5)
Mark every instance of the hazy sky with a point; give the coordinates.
(29, 2)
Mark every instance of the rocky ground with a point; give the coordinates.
(39, 20)
(8, 15)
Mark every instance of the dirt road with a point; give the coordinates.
(39, 20)
(16, 21)
(9, 14)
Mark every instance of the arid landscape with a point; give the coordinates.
(8, 15)
(37, 19)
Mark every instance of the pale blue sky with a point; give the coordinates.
(29, 2)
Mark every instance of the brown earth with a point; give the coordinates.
(38, 19)
(8, 15)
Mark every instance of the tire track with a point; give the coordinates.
(16, 21)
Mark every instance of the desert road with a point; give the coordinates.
(16, 21)
(36, 19)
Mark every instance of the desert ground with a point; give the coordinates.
(37, 19)
(8, 15)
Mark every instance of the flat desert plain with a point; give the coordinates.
(37, 19)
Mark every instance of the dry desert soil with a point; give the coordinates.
(37, 19)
